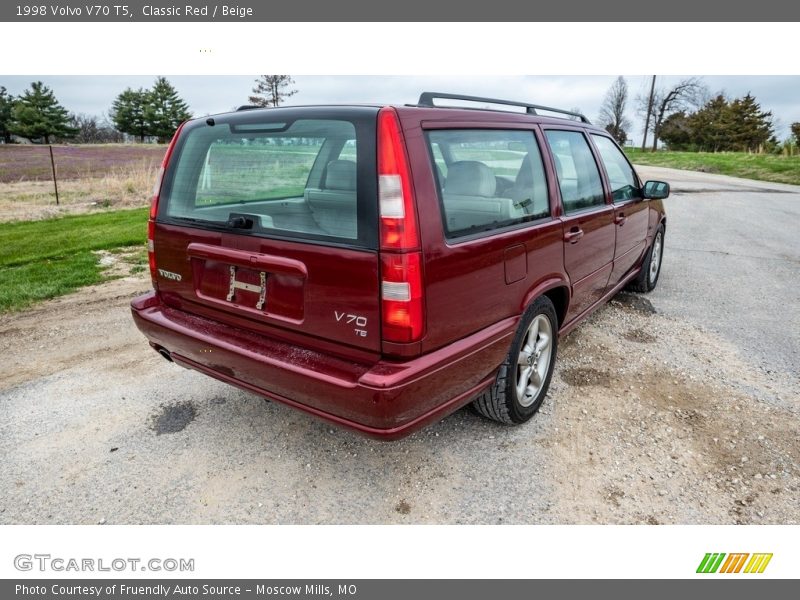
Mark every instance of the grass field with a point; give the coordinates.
(764, 167)
(48, 258)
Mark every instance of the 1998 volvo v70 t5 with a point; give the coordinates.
(382, 266)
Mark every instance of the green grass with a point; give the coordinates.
(45, 259)
(764, 167)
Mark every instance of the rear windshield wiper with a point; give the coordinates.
(192, 219)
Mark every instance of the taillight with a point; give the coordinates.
(151, 222)
(401, 259)
(395, 193)
(401, 292)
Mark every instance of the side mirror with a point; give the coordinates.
(655, 190)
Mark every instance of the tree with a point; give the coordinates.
(750, 127)
(795, 127)
(128, 113)
(686, 94)
(612, 111)
(676, 131)
(710, 126)
(272, 90)
(721, 125)
(91, 130)
(165, 110)
(6, 115)
(37, 115)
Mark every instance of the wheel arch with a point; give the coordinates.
(557, 291)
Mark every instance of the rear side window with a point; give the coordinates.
(296, 178)
(621, 177)
(488, 178)
(578, 176)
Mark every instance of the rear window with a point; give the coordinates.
(293, 178)
(488, 179)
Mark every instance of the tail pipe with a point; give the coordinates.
(163, 352)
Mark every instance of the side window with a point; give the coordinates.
(624, 184)
(488, 178)
(578, 176)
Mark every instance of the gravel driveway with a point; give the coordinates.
(676, 407)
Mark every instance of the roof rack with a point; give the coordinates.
(248, 107)
(426, 99)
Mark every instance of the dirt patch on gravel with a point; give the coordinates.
(634, 302)
(88, 326)
(640, 336)
(674, 434)
(581, 376)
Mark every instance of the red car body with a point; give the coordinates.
(301, 350)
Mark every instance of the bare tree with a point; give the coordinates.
(94, 130)
(612, 112)
(684, 95)
(272, 90)
(648, 111)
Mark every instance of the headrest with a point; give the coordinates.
(525, 173)
(341, 175)
(470, 178)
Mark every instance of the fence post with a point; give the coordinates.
(53, 165)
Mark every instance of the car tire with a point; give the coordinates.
(647, 278)
(523, 378)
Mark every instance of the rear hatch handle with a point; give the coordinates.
(266, 262)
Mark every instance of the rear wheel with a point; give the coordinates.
(524, 377)
(651, 265)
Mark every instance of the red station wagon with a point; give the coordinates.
(382, 266)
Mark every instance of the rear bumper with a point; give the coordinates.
(385, 399)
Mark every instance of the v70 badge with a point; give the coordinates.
(261, 290)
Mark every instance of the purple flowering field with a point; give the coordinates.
(20, 162)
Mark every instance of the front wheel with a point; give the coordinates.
(524, 377)
(651, 265)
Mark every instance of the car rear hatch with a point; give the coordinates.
(267, 220)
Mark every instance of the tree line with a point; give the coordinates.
(684, 116)
(38, 116)
(152, 113)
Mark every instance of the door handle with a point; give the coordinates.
(573, 235)
(620, 219)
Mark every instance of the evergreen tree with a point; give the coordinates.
(37, 115)
(165, 110)
(711, 125)
(272, 90)
(128, 113)
(796, 132)
(751, 127)
(676, 131)
(6, 115)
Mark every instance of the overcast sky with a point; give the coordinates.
(212, 94)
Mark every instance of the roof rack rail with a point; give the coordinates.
(248, 107)
(426, 99)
